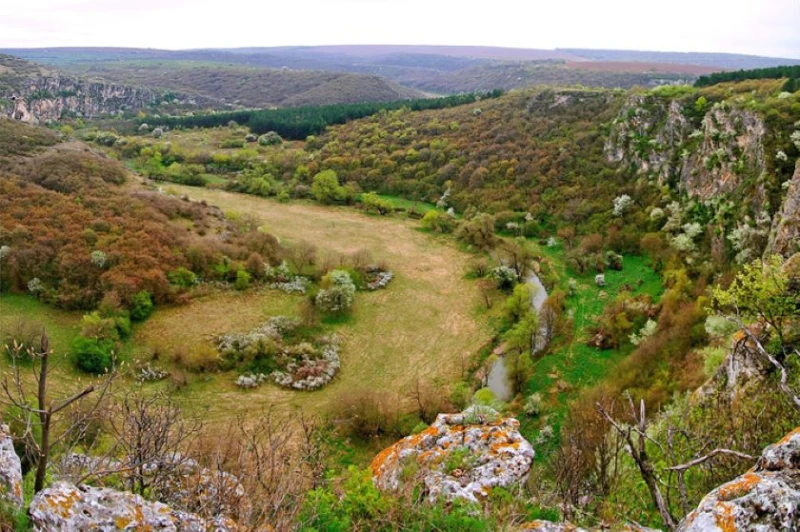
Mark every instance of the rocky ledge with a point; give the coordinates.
(64, 506)
(10, 470)
(459, 456)
(766, 498)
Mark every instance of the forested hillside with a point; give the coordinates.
(254, 87)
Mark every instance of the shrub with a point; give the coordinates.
(142, 306)
(242, 280)
(533, 405)
(182, 277)
(505, 277)
(437, 221)
(270, 138)
(337, 294)
(92, 355)
(374, 203)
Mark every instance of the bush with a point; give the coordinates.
(374, 203)
(533, 405)
(337, 294)
(92, 355)
(142, 306)
(242, 280)
(182, 278)
(269, 138)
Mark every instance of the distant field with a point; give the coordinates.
(636, 66)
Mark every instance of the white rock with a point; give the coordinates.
(494, 454)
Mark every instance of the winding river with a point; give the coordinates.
(498, 379)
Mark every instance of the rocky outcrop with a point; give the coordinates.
(656, 135)
(766, 498)
(459, 456)
(743, 367)
(66, 507)
(784, 237)
(10, 470)
(188, 486)
(51, 97)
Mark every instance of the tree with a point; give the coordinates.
(302, 255)
(326, 188)
(478, 232)
(337, 293)
(152, 436)
(763, 292)
(519, 303)
(40, 443)
(519, 255)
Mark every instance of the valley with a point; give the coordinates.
(291, 318)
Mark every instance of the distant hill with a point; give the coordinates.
(432, 69)
(254, 87)
(714, 60)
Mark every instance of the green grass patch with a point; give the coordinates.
(570, 366)
(408, 205)
(61, 325)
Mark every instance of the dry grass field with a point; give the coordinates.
(425, 324)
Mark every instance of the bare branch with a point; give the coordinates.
(712, 454)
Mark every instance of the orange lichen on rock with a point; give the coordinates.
(741, 486)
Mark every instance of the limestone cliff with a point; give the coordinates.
(31, 94)
(662, 138)
(784, 238)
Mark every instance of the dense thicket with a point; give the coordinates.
(790, 71)
(72, 233)
(298, 123)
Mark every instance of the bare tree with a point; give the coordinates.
(635, 435)
(152, 437)
(301, 255)
(39, 444)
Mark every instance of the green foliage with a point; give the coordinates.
(270, 138)
(792, 72)
(437, 221)
(299, 122)
(760, 291)
(92, 355)
(242, 280)
(374, 203)
(326, 188)
(182, 277)
(141, 306)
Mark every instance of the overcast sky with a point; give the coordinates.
(761, 27)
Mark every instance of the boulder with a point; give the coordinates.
(459, 456)
(64, 506)
(10, 470)
(766, 498)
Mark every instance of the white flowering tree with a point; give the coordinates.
(337, 293)
(622, 204)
